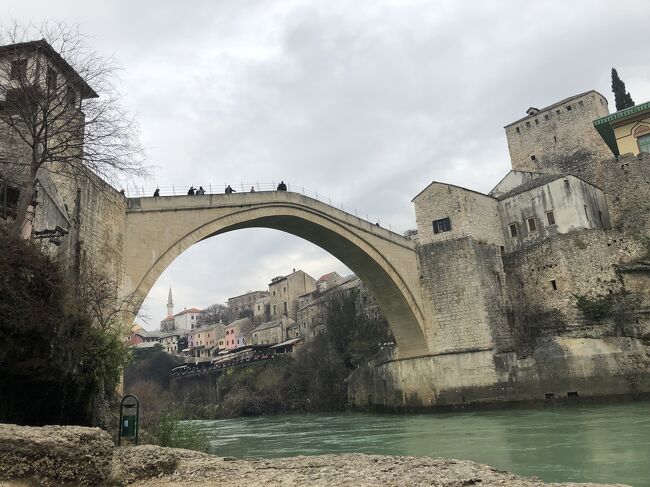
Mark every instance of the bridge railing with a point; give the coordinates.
(142, 191)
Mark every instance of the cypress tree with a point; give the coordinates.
(623, 99)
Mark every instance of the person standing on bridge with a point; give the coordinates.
(200, 191)
(252, 189)
(190, 191)
(282, 186)
(229, 190)
(156, 193)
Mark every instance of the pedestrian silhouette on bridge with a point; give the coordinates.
(200, 191)
(252, 189)
(156, 193)
(190, 191)
(229, 190)
(282, 186)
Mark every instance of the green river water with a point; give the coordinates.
(596, 443)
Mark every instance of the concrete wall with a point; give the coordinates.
(575, 204)
(558, 133)
(471, 214)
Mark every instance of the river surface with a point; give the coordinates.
(595, 443)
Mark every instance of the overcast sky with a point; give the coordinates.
(365, 101)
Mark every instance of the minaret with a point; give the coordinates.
(170, 304)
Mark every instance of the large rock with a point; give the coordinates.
(142, 462)
(55, 455)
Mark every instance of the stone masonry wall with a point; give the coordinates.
(579, 263)
(626, 183)
(471, 214)
(464, 290)
(561, 132)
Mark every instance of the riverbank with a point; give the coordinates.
(72, 455)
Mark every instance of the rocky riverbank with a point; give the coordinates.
(72, 455)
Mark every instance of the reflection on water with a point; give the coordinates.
(604, 443)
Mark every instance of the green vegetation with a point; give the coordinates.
(173, 432)
(62, 350)
(622, 98)
(595, 309)
(312, 380)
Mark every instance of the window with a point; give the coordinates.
(528, 124)
(546, 117)
(51, 79)
(587, 212)
(581, 103)
(553, 284)
(532, 158)
(536, 122)
(550, 217)
(442, 225)
(517, 129)
(285, 307)
(554, 138)
(568, 108)
(644, 143)
(19, 69)
(557, 112)
(531, 224)
(513, 229)
(70, 96)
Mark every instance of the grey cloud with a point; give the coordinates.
(364, 101)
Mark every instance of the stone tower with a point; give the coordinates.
(170, 303)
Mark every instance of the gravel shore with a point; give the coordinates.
(200, 470)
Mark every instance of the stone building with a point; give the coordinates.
(313, 307)
(559, 132)
(74, 210)
(272, 332)
(541, 288)
(262, 310)
(284, 292)
(245, 302)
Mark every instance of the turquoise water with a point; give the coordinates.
(595, 443)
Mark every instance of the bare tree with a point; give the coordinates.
(215, 313)
(60, 112)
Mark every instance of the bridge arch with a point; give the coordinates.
(160, 229)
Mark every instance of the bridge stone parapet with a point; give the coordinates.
(159, 229)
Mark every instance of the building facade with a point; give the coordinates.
(284, 292)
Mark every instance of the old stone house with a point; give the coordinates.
(284, 292)
(563, 223)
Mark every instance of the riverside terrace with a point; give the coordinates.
(243, 356)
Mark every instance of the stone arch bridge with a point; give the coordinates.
(159, 229)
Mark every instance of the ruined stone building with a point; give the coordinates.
(246, 302)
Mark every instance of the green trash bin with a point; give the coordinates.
(129, 412)
(128, 426)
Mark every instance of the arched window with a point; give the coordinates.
(644, 143)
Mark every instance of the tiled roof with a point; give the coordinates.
(191, 310)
